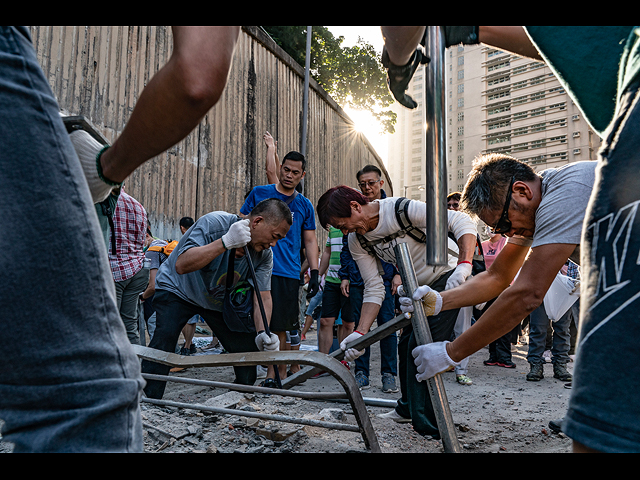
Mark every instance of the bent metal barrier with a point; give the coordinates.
(313, 358)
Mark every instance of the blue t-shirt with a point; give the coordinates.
(286, 253)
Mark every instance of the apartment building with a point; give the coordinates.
(496, 103)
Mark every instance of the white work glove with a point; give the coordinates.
(238, 236)
(459, 275)
(87, 148)
(269, 343)
(431, 300)
(351, 354)
(432, 359)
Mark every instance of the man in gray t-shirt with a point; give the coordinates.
(542, 214)
(192, 282)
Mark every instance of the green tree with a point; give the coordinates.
(353, 76)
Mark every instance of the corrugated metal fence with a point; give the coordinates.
(100, 71)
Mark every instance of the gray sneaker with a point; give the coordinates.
(389, 383)
(560, 372)
(536, 373)
(362, 381)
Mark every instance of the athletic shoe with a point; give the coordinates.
(393, 415)
(463, 380)
(389, 383)
(362, 381)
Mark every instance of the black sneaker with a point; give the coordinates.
(536, 373)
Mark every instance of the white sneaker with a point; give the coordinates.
(393, 415)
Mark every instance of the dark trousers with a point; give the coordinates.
(415, 402)
(172, 314)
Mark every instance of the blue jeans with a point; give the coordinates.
(539, 324)
(389, 344)
(75, 385)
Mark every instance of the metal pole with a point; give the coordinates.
(305, 100)
(436, 168)
(422, 333)
(256, 289)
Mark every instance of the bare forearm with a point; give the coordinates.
(367, 316)
(267, 302)
(467, 247)
(499, 319)
(477, 289)
(511, 39)
(401, 42)
(199, 257)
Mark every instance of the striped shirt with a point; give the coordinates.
(334, 240)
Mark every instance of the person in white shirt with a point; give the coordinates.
(351, 212)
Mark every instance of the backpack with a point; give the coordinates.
(166, 249)
(407, 228)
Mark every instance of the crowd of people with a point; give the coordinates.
(241, 271)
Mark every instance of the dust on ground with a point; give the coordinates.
(500, 412)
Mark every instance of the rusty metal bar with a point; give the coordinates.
(363, 342)
(242, 413)
(247, 388)
(315, 359)
(422, 333)
(436, 165)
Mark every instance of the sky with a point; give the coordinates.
(364, 121)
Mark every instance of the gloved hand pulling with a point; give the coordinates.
(431, 359)
(351, 354)
(459, 275)
(238, 236)
(269, 343)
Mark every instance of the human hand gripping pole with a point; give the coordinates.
(431, 300)
(264, 339)
(238, 236)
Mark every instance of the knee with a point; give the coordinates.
(327, 322)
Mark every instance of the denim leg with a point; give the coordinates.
(389, 344)
(538, 325)
(561, 338)
(77, 387)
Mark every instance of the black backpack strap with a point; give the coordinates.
(402, 208)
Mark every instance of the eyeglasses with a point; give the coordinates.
(369, 184)
(504, 224)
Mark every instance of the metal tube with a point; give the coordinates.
(436, 167)
(422, 333)
(263, 416)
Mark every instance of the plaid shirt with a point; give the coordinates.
(130, 225)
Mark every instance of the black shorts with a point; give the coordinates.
(334, 303)
(285, 314)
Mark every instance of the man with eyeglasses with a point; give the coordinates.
(542, 217)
